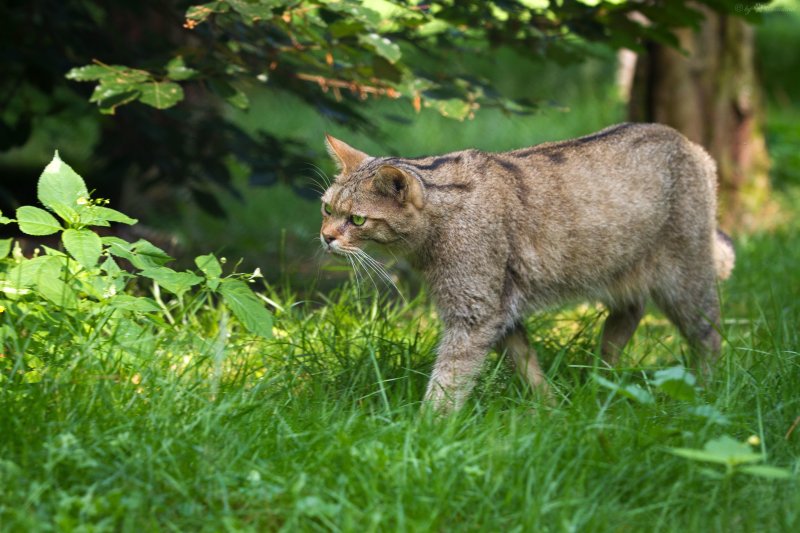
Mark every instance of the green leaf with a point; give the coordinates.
(61, 189)
(246, 307)
(210, 267)
(710, 413)
(161, 95)
(676, 382)
(724, 450)
(454, 108)
(50, 285)
(150, 254)
(632, 392)
(174, 282)
(110, 99)
(200, 13)
(96, 215)
(141, 254)
(254, 11)
(4, 220)
(766, 471)
(84, 245)
(134, 304)
(23, 274)
(36, 221)
(118, 84)
(178, 71)
(87, 73)
(383, 46)
(5, 247)
(231, 94)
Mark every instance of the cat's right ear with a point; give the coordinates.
(346, 157)
(395, 183)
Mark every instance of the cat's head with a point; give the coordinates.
(370, 200)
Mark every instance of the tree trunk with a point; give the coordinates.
(711, 95)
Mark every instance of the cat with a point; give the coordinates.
(619, 216)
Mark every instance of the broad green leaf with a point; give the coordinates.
(766, 471)
(246, 307)
(117, 85)
(61, 189)
(632, 392)
(108, 74)
(736, 451)
(84, 245)
(49, 283)
(174, 282)
(724, 450)
(5, 247)
(355, 10)
(198, 14)
(383, 46)
(209, 265)
(454, 108)
(96, 215)
(149, 254)
(23, 274)
(35, 221)
(160, 95)
(231, 94)
(134, 303)
(710, 413)
(677, 382)
(255, 11)
(108, 99)
(87, 73)
(141, 254)
(178, 71)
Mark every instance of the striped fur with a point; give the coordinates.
(621, 216)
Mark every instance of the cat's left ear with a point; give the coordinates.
(346, 157)
(398, 184)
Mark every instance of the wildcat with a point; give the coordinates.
(619, 216)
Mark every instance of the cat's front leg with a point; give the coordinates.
(461, 353)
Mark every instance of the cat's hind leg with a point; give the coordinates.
(618, 329)
(692, 304)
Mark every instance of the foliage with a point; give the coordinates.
(328, 54)
(368, 48)
(87, 290)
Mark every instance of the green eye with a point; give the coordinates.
(327, 208)
(358, 220)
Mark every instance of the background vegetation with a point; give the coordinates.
(166, 411)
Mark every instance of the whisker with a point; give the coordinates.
(380, 270)
(355, 272)
(366, 268)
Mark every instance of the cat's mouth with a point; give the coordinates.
(336, 247)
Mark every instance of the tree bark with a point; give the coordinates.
(711, 94)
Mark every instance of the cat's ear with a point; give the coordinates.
(346, 157)
(398, 184)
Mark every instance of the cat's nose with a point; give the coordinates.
(328, 238)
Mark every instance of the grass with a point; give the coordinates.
(202, 427)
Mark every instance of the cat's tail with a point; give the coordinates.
(724, 254)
